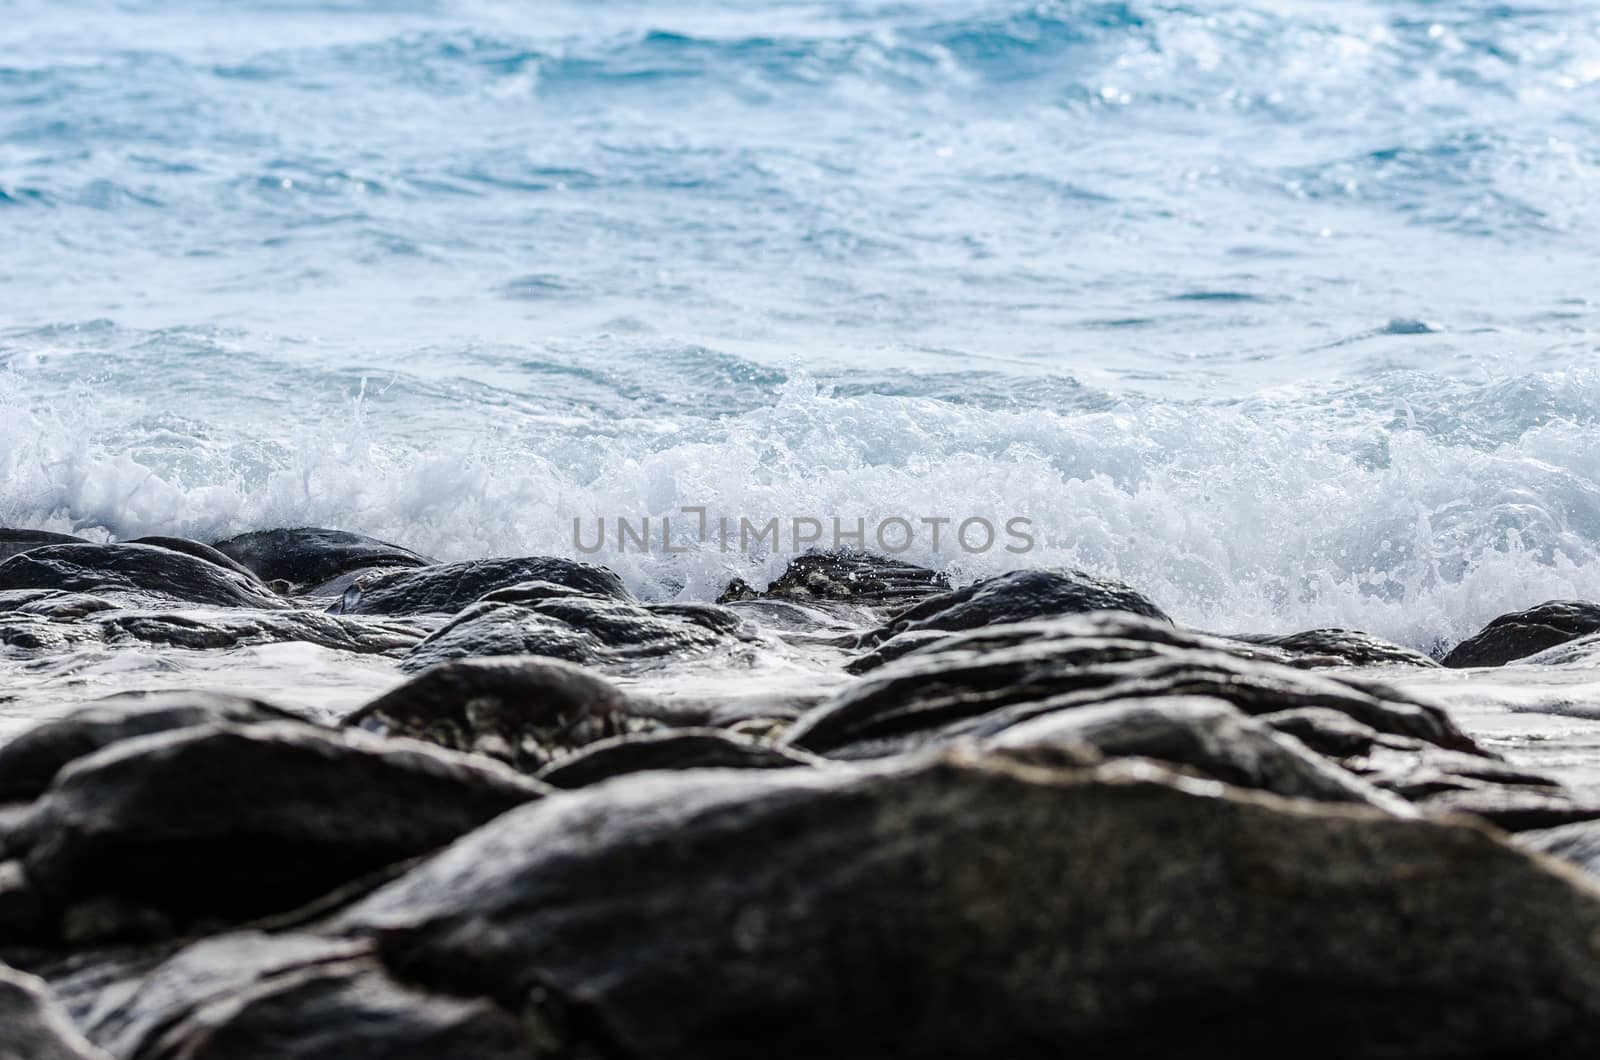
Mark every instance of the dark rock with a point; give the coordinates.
(156, 576)
(1340, 647)
(937, 696)
(1577, 843)
(52, 603)
(345, 1010)
(1585, 651)
(33, 1026)
(523, 711)
(669, 749)
(252, 997)
(1019, 597)
(1513, 809)
(579, 629)
(1422, 770)
(230, 823)
(37, 635)
(1331, 733)
(14, 541)
(1091, 629)
(198, 551)
(310, 555)
(844, 574)
(448, 588)
(123, 1007)
(1206, 735)
(1523, 633)
(222, 630)
(31, 760)
(967, 907)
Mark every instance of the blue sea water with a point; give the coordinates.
(1284, 312)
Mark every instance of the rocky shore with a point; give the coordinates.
(858, 813)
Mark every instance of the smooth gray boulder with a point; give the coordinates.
(963, 688)
(30, 760)
(579, 629)
(147, 575)
(1019, 596)
(977, 906)
(307, 556)
(1203, 734)
(225, 823)
(447, 588)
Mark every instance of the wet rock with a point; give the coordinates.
(222, 630)
(1093, 630)
(14, 541)
(228, 823)
(1585, 651)
(31, 760)
(33, 1026)
(52, 603)
(146, 573)
(1340, 647)
(198, 551)
(1511, 808)
(1206, 735)
(934, 696)
(37, 635)
(308, 555)
(123, 1006)
(845, 574)
(1421, 770)
(1523, 633)
(669, 749)
(579, 629)
(980, 907)
(246, 995)
(1577, 843)
(526, 712)
(1019, 597)
(1330, 733)
(448, 588)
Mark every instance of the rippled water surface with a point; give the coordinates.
(1285, 313)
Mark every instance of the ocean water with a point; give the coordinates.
(1285, 313)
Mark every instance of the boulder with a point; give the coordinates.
(580, 629)
(448, 588)
(935, 696)
(308, 556)
(846, 575)
(1206, 735)
(523, 711)
(1019, 596)
(977, 906)
(198, 551)
(1340, 647)
(30, 761)
(222, 630)
(1522, 633)
(13, 541)
(147, 574)
(228, 822)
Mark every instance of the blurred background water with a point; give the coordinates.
(1284, 312)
